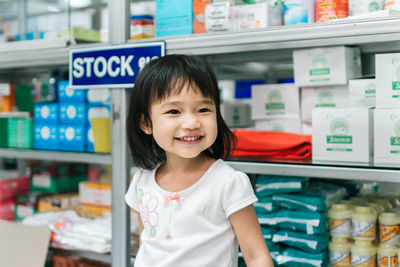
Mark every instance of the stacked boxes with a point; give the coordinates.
(46, 126)
(387, 113)
(174, 17)
(17, 130)
(275, 107)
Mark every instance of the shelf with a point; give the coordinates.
(367, 32)
(56, 156)
(363, 173)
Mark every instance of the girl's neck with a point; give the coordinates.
(178, 174)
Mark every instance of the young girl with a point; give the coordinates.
(193, 207)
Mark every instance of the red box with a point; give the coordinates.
(7, 211)
(10, 187)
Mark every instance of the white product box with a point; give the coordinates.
(249, 17)
(95, 193)
(362, 93)
(217, 17)
(387, 137)
(322, 97)
(326, 66)
(237, 114)
(306, 127)
(289, 125)
(342, 135)
(387, 67)
(275, 101)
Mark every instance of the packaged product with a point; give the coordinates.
(298, 12)
(387, 255)
(297, 258)
(339, 252)
(264, 205)
(267, 232)
(389, 228)
(387, 68)
(326, 10)
(306, 242)
(392, 4)
(362, 92)
(363, 253)
(199, 7)
(269, 185)
(359, 7)
(340, 220)
(364, 223)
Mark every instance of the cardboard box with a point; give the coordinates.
(73, 113)
(237, 114)
(289, 125)
(217, 17)
(46, 136)
(326, 66)
(11, 186)
(256, 16)
(362, 93)
(174, 17)
(95, 193)
(387, 67)
(67, 94)
(7, 211)
(322, 97)
(89, 140)
(275, 100)
(32, 241)
(45, 113)
(58, 202)
(342, 135)
(72, 137)
(99, 97)
(387, 137)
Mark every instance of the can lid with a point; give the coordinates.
(389, 217)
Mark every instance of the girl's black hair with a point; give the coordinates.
(157, 80)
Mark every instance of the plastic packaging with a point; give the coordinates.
(359, 7)
(389, 228)
(339, 252)
(264, 205)
(392, 4)
(270, 185)
(340, 220)
(364, 223)
(387, 256)
(306, 242)
(363, 253)
(326, 10)
(297, 258)
(298, 12)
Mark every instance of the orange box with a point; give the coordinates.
(326, 10)
(7, 98)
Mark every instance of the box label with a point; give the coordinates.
(339, 139)
(275, 106)
(319, 72)
(395, 141)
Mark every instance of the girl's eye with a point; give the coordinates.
(173, 111)
(203, 110)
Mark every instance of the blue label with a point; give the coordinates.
(111, 67)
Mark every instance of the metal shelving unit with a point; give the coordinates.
(56, 156)
(372, 35)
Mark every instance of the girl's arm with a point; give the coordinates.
(248, 232)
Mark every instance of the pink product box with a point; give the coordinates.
(7, 211)
(10, 187)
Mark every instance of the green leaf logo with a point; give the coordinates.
(339, 126)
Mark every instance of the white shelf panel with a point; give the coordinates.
(56, 156)
(348, 32)
(320, 171)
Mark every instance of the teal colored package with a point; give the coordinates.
(316, 197)
(296, 258)
(267, 232)
(305, 242)
(274, 251)
(271, 185)
(306, 222)
(264, 205)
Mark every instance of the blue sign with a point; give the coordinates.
(111, 66)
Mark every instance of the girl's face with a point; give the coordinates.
(184, 124)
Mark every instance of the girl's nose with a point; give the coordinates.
(190, 121)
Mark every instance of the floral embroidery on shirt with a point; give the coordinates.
(148, 211)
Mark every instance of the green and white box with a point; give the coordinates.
(288, 125)
(387, 137)
(275, 101)
(362, 93)
(387, 80)
(237, 114)
(342, 135)
(322, 97)
(326, 66)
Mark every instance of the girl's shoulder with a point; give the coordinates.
(227, 173)
(141, 175)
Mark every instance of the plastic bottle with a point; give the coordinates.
(363, 253)
(339, 252)
(364, 223)
(376, 207)
(389, 228)
(387, 256)
(384, 203)
(340, 220)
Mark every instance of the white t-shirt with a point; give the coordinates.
(190, 228)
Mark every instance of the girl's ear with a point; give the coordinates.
(145, 127)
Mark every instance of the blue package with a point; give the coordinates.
(45, 136)
(46, 113)
(73, 113)
(89, 140)
(174, 17)
(72, 137)
(305, 242)
(243, 88)
(66, 94)
(267, 185)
